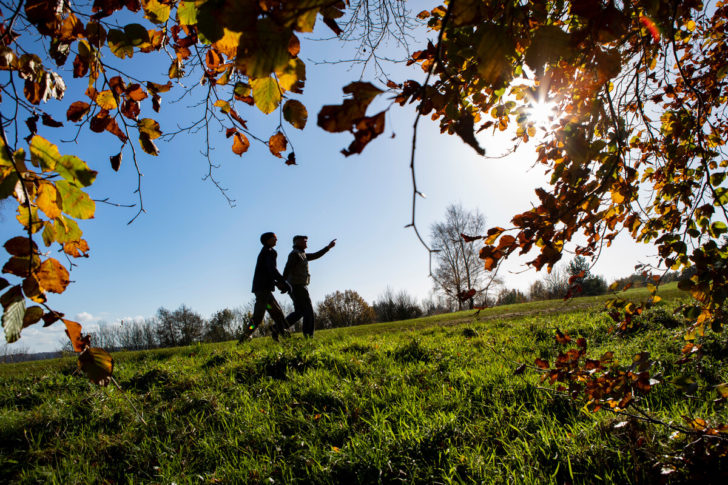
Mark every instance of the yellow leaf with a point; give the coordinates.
(155, 11)
(106, 100)
(690, 25)
(29, 219)
(293, 72)
(228, 45)
(266, 93)
(150, 127)
(49, 201)
(223, 105)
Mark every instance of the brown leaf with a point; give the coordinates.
(113, 127)
(77, 110)
(467, 238)
(562, 338)
(100, 121)
(294, 46)
(542, 364)
(117, 85)
(32, 316)
(240, 143)
(519, 370)
(115, 161)
(51, 317)
(291, 160)
(49, 121)
(97, 364)
(20, 246)
(277, 144)
(147, 144)
(52, 276)
(20, 265)
(32, 289)
(130, 109)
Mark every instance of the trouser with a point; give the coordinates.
(302, 307)
(264, 300)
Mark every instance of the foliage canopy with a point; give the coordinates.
(636, 144)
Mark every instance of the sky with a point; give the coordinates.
(192, 248)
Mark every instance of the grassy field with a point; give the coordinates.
(431, 400)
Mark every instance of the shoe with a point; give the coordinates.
(286, 334)
(274, 335)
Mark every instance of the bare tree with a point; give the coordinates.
(391, 306)
(459, 268)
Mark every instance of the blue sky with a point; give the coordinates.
(192, 248)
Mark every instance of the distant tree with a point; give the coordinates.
(222, 326)
(15, 352)
(586, 283)
(510, 296)
(538, 291)
(107, 336)
(459, 268)
(437, 304)
(391, 306)
(343, 310)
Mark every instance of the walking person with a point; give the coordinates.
(265, 279)
(297, 275)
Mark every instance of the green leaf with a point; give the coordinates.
(75, 170)
(65, 230)
(266, 93)
(209, 28)
(13, 318)
(187, 13)
(722, 194)
(136, 34)
(76, 202)
(5, 159)
(686, 384)
(717, 228)
(295, 113)
(119, 44)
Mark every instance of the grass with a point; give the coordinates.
(430, 400)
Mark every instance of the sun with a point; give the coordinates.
(542, 114)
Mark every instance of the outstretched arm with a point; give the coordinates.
(318, 254)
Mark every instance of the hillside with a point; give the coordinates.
(430, 400)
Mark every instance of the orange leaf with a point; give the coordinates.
(277, 144)
(73, 330)
(52, 276)
(77, 249)
(240, 143)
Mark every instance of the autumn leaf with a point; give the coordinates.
(97, 364)
(73, 330)
(115, 161)
(49, 201)
(76, 203)
(277, 144)
(32, 316)
(20, 246)
(266, 93)
(52, 276)
(156, 11)
(150, 128)
(295, 113)
(77, 249)
(106, 100)
(240, 143)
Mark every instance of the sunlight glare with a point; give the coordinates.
(542, 114)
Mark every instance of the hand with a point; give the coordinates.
(332, 244)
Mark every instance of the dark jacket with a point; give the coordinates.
(266, 274)
(296, 270)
